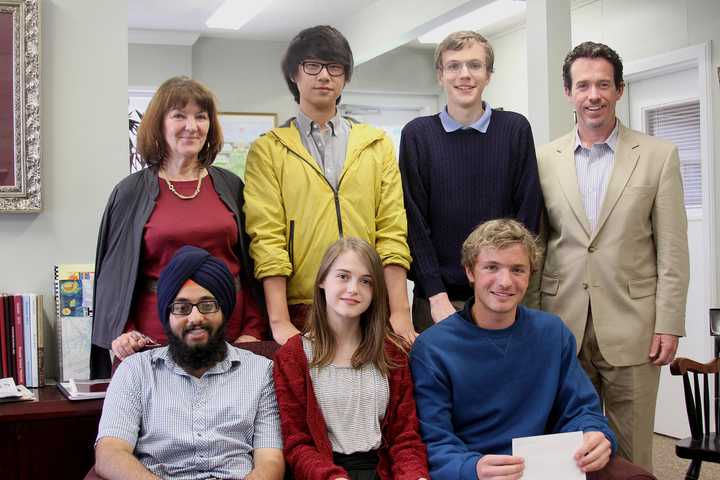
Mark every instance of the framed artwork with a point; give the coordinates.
(19, 106)
(239, 131)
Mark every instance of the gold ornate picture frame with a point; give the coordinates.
(20, 184)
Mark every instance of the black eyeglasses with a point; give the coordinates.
(314, 68)
(204, 306)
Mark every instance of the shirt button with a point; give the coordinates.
(585, 286)
(591, 249)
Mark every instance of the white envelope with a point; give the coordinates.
(550, 457)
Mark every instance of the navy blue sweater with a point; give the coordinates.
(477, 389)
(453, 182)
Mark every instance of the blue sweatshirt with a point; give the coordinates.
(477, 389)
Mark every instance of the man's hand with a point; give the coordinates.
(129, 343)
(402, 325)
(594, 453)
(663, 348)
(440, 307)
(500, 467)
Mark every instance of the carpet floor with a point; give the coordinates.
(670, 467)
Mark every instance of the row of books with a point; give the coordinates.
(22, 338)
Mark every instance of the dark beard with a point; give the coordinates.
(201, 356)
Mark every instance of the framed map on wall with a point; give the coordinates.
(239, 131)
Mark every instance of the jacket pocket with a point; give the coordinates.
(643, 287)
(291, 243)
(550, 285)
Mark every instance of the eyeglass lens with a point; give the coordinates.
(204, 307)
(314, 68)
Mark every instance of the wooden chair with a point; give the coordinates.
(703, 445)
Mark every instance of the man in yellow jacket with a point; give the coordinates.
(318, 178)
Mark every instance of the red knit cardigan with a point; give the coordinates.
(308, 451)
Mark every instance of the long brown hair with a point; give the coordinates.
(177, 92)
(374, 322)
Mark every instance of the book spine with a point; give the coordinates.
(33, 375)
(27, 343)
(3, 339)
(19, 340)
(40, 341)
(10, 332)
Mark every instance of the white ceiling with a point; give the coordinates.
(372, 27)
(280, 21)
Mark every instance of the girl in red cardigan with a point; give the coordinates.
(344, 387)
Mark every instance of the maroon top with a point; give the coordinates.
(204, 222)
(307, 448)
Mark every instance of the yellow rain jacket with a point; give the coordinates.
(293, 213)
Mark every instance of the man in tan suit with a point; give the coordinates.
(616, 268)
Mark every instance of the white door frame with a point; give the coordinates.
(699, 57)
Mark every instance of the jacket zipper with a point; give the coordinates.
(336, 196)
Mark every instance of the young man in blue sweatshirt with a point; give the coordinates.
(497, 370)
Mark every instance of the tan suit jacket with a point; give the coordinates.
(633, 270)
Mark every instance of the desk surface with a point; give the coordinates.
(50, 403)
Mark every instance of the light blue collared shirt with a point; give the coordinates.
(481, 125)
(593, 167)
(193, 428)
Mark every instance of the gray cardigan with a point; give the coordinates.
(117, 257)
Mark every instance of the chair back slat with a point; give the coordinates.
(698, 403)
(690, 406)
(706, 402)
(717, 403)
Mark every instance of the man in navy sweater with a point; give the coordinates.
(497, 370)
(461, 167)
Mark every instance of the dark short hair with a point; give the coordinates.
(593, 50)
(177, 92)
(322, 42)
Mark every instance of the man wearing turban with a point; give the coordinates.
(199, 407)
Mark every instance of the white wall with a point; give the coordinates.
(150, 65)
(246, 77)
(635, 29)
(508, 84)
(84, 146)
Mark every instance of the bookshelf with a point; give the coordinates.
(49, 437)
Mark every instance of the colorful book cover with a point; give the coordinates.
(19, 339)
(74, 289)
(73, 302)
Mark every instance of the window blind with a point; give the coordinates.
(680, 124)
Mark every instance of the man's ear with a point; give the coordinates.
(469, 274)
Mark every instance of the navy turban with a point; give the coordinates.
(196, 264)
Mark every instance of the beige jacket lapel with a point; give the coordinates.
(567, 176)
(626, 158)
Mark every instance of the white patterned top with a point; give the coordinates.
(353, 402)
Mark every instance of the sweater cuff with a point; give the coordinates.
(468, 470)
